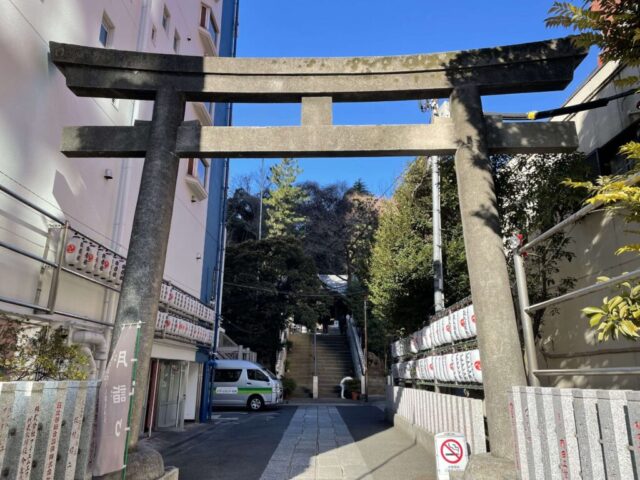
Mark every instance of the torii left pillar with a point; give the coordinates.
(145, 263)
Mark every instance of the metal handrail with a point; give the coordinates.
(282, 354)
(583, 212)
(560, 372)
(355, 345)
(58, 266)
(581, 292)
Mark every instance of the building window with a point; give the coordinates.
(208, 22)
(199, 168)
(154, 33)
(166, 17)
(176, 41)
(106, 31)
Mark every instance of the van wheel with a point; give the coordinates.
(255, 403)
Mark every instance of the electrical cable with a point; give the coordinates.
(535, 115)
(275, 291)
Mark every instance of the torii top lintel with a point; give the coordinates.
(538, 66)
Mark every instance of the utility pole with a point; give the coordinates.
(438, 274)
(366, 353)
(261, 194)
(437, 111)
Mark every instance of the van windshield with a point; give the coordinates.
(268, 372)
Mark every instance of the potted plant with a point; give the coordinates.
(353, 386)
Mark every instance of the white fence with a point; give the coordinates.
(438, 412)
(46, 429)
(572, 433)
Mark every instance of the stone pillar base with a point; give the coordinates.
(484, 466)
(144, 463)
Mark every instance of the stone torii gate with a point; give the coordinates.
(172, 80)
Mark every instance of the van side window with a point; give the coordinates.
(226, 375)
(257, 375)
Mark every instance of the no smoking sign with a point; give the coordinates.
(451, 454)
(451, 451)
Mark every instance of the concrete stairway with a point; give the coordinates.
(300, 360)
(334, 363)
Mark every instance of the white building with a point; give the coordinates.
(96, 196)
(567, 340)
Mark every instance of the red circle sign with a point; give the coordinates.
(451, 451)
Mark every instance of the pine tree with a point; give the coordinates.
(283, 199)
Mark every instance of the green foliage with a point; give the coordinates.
(288, 386)
(38, 353)
(401, 281)
(268, 282)
(618, 316)
(283, 199)
(339, 227)
(401, 272)
(243, 216)
(524, 186)
(352, 386)
(614, 27)
(619, 194)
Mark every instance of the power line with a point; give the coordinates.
(275, 291)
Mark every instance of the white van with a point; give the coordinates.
(243, 383)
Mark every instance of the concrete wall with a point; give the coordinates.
(594, 240)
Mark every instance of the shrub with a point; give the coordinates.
(288, 386)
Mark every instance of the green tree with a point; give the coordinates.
(524, 184)
(38, 353)
(267, 283)
(401, 275)
(612, 25)
(283, 199)
(243, 216)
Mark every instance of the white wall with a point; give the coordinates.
(594, 240)
(34, 106)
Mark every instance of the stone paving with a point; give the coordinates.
(317, 445)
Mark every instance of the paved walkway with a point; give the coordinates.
(334, 442)
(317, 445)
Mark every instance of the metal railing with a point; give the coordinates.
(42, 312)
(526, 309)
(355, 345)
(282, 354)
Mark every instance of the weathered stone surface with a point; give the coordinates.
(501, 356)
(317, 111)
(320, 140)
(138, 301)
(527, 67)
(485, 466)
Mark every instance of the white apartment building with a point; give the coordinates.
(97, 196)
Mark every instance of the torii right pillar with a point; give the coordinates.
(500, 353)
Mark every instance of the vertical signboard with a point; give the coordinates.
(114, 402)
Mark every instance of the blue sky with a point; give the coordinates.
(292, 28)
